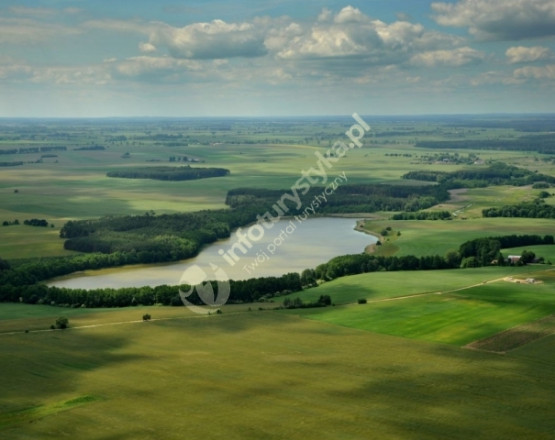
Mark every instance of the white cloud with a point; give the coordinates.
(29, 31)
(536, 72)
(455, 57)
(147, 47)
(71, 75)
(521, 54)
(499, 19)
(354, 36)
(42, 12)
(154, 69)
(126, 26)
(213, 40)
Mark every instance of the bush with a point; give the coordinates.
(62, 322)
(146, 317)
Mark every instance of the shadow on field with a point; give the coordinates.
(468, 395)
(50, 364)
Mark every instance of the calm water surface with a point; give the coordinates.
(290, 246)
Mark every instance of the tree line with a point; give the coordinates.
(539, 143)
(346, 198)
(168, 173)
(484, 251)
(27, 150)
(536, 209)
(422, 215)
(497, 173)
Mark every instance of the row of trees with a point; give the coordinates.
(27, 150)
(36, 222)
(496, 174)
(29, 222)
(251, 290)
(168, 173)
(484, 251)
(536, 209)
(540, 143)
(422, 215)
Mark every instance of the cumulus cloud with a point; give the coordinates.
(499, 19)
(216, 39)
(147, 47)
(351, 35)
(521, 54)
(456, 57)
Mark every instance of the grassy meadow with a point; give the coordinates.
(253, 375)
(440, 310)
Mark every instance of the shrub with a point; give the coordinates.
(62, 322)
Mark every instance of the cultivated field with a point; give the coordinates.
(253, 375)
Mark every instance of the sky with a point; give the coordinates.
(110, 58)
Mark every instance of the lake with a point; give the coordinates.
(290, 245)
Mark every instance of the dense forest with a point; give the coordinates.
(168, 173)
(495, 174)
(152, 238)
(536, 209)
(346, 198)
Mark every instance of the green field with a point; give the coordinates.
(430, 237)
(453, 307)
(263, 375)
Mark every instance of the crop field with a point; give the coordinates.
(446, 308)
(236, 375)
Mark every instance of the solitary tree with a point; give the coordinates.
(527, 257)
(62, 322)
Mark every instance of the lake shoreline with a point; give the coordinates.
(282, 249)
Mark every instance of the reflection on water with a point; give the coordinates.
(290, 246)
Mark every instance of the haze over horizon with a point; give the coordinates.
(75, 58)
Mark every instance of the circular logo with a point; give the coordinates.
(201, 282)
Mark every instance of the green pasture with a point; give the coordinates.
(262, 375)
(429, 237)
(376, 286)
(22, 241)
(447, 312)
(545, 251)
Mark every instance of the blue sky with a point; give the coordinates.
(81, 58)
